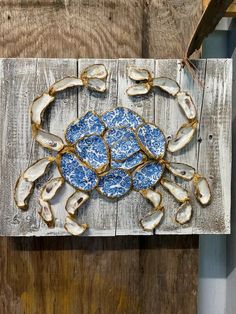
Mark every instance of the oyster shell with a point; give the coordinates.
(131, 162)
(152, 220)
(184, 213)
(73, 227)
(50, 188)
(46, 212)
(37, 169)
(76, 173)
(152, 140)
(168, 85)
(97, 85)
(182, 137)
(180, 170)
(38, 106)
(114, 183)
(89, 124)
(95, 71)
(122, 117)
(139, 89)
(186, 103)
(23, 190)
(202, 189)
(48, 140)
(93, 150)
(153, 196)
(64, 83)
(179, 193)
(75, 201)
(147, 175)
(138, 74)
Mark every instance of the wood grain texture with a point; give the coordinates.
(88, 275)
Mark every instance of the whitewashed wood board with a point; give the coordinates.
(21, 80)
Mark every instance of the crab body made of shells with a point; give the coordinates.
(114, 153)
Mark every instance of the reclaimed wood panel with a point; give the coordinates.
(110, 218)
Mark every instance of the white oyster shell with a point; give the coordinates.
(95, 71)
(179, 193)
(96, 85)
(65, 83)
(154, 197)
(152, 220)
(183, 171)
(75, 201)
(139, 89)
(37, 169)
(184, 213)
(182, 137)
(73, 227)
(50, 188)
(46, 212)
(138, 74)
(186, 103)
(48, 140)
(23, 190)
(38, 106)
(168, 85)
(202, 190)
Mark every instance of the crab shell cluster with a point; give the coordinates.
(112, 153)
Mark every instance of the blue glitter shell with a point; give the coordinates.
(147, 175)
(115, 183)
(120, 117)
(151, 140)
(89, 124)
(93, 151)
(130, 163)
(76, 173)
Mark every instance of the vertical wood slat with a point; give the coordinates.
(122, 217)
(133, 206)
(97, 212)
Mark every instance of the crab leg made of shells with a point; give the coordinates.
(184, 213)
(38, 106)
(182, 137)
(23, 190)
(154, 197)
(180, 170)
(179, 193)
(73, 227)
(75, 201)
(37, 169)
(202, 189)
(152, 219)
(94, 71)
(47, 140)
(46, 212)
(186, 103)
(166, 84)
(65, 83)
(50, 189)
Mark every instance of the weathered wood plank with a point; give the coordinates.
(133, 206)
(98, 212)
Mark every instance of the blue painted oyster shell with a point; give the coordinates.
(89, 124)
(122, 117)
(130, 163)
(147, 175)
(76, 173)
(152, 140)
(115, 183)
(93, 151)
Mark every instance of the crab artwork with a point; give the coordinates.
(114, 153)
